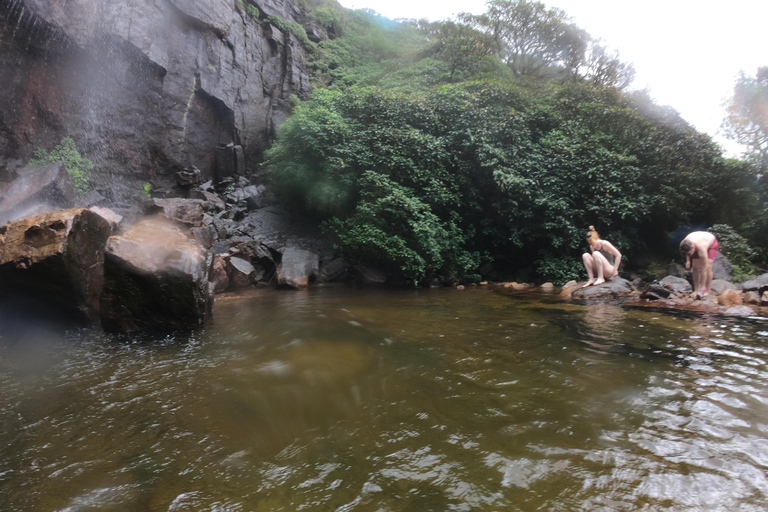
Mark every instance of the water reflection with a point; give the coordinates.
(371, 400)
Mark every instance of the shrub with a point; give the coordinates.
(78, 167)
(559, 270)
(736, 248)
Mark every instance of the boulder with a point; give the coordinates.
(56, 259)
(676, 285)
(297, 268)
(241, 273)
(218, 276)
(547, 287)
(613, 288)
(718, 286)
(676, 270)
(333, 270)
(729, 298)
(751, 298)
(37, 190)
(655, 292)
(721, 268)
(188, 212)
(757, 284)
(155, 279)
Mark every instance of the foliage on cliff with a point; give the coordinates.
(442, 148)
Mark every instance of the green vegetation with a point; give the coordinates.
(78, 167)
(146, 189)
(432, 148)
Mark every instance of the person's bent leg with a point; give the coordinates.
(709, 275)
(601, 263)
(696, 275)
(589, 264)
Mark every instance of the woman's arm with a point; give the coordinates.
(610, 249)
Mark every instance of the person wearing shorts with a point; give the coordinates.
(699, 250)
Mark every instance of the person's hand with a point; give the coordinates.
(615, 273)
(687, 265)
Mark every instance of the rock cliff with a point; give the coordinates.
(147, 87)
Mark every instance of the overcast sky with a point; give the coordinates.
(686, 53)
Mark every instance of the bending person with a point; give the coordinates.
(597, 264)
(699, 250)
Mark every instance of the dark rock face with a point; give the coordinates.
(722, 268)
(56, 259)
(146, 88)
(155, 279)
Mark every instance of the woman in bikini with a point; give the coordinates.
(699, 250)
(597, 265)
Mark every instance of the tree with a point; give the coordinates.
(604, 69)
(461, 47)
(530, 37)
(747, 119)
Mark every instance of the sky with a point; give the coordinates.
(686, 53)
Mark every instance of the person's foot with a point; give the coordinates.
(589, 282)
(599, 281)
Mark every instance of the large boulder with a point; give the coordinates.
(297, 268)
(613, 288)
(155, 279)
(676, 285)
(56, 259)
(37, 190)
(758, 284)
(722, 268)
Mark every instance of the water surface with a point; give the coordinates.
(368, 400)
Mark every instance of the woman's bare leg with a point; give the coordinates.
(589, 264)
(603, 268)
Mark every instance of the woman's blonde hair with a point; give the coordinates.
(592, 236)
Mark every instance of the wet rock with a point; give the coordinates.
(613, 288)
(547, 287)
(764, 298)
(241, 273)
(297, 268)
(729, 298)
(37, 190)
(333, 270)
(742, 311)
(751, 298)
(155, 279)
(204, 235)
(219, 277)
(676, 285)
(184, 211)
(56, 259)
(655, 292)
(189, 177)
(114, 219)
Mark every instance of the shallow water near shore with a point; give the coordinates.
(368, 400)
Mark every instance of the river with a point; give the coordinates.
(352, 400)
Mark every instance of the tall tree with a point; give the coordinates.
(747, 119)
(532, 38)
(605, 69)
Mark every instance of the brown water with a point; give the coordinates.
(430, 400)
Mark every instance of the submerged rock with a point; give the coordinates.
(56, 259)
(155, 279)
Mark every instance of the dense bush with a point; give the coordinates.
(437, 182)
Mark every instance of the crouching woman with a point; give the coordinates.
(597, 262)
